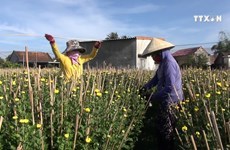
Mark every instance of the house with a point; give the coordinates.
(35, 58)
(121, 53)
(183, 56)
(222, 60)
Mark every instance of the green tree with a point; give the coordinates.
(200, 60)
(7, 64)
(112, 36)
(223, 45)
(125, 37)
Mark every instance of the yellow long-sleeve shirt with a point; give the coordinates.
(72, 70)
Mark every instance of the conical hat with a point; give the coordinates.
(156, 45)
(73, 45)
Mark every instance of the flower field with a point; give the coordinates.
(40, 110)
(204, 116)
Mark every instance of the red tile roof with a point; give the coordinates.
(33, 56)
(184, 52)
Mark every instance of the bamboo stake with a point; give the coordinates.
(1, 120)
(51, 112)
(40, 106)
(228, 130)
(88, 124)
(193, 142)
(126, 134)
(205, 139)
(30, 88)
(213, 119)
(179, 136)
(76, 130)
(110, 128)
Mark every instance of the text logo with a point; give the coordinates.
(207, 18)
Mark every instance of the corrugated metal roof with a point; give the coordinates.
(186, 51)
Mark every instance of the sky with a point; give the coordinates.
(184, 23)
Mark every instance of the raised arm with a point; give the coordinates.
(54, 47)
(93, 53)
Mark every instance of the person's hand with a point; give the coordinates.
(142, 91)
(50, 38)
(97, 44)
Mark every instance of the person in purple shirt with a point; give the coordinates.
(168, 82)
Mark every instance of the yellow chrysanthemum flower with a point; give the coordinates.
(124, 109)
(87, 109)
(14, 83)
(56, 91)
(43, 79)
(196, 109)
(108, 136)
(38, 126)
(16, 99)
(99, 94)
(1, 97)
(197, 133)
(224, 89)
(219, 84)
(88, 139)
(184, 128)
(218, 92)
(208, 95)
(177, 107)
(15, 117)
(0, 82)
(97, 90)
(24, 121)
(106, 92)
(66, 135)
(197, 95)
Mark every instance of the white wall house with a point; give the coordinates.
(121, 53)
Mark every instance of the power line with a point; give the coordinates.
(197, 44)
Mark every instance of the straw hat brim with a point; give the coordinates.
(156, 45)
(78, 48)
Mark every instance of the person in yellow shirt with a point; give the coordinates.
(72, 60)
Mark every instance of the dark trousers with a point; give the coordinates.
(165, 125)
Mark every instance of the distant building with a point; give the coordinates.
(121, 53)
(35, 58)
(184, 55)
(222, 60)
